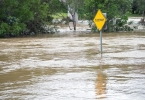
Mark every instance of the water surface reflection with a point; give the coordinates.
(101, 83)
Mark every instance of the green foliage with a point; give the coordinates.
(138, 6)
(56, 7)
(17, 16)
(75, 5)
(123, 20)
(113, 8)
(11, 27)
(4, 28)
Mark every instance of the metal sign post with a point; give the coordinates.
(100, 20)
(101, 42)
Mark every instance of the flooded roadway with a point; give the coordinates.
(69, 67)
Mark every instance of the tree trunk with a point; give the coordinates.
(74, 22)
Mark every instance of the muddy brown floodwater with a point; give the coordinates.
(69, 67)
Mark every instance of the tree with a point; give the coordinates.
(19, 16)
(113, 8)
(9, 23)
(73, 8)
(138, 6)
(56, 6)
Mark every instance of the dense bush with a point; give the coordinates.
(20, 16)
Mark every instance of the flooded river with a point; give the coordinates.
(69, 67)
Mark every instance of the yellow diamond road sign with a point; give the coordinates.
(99, 20)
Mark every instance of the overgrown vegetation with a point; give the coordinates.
(19, 17)
(24, 17)
(138, 6)
(114, 9)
